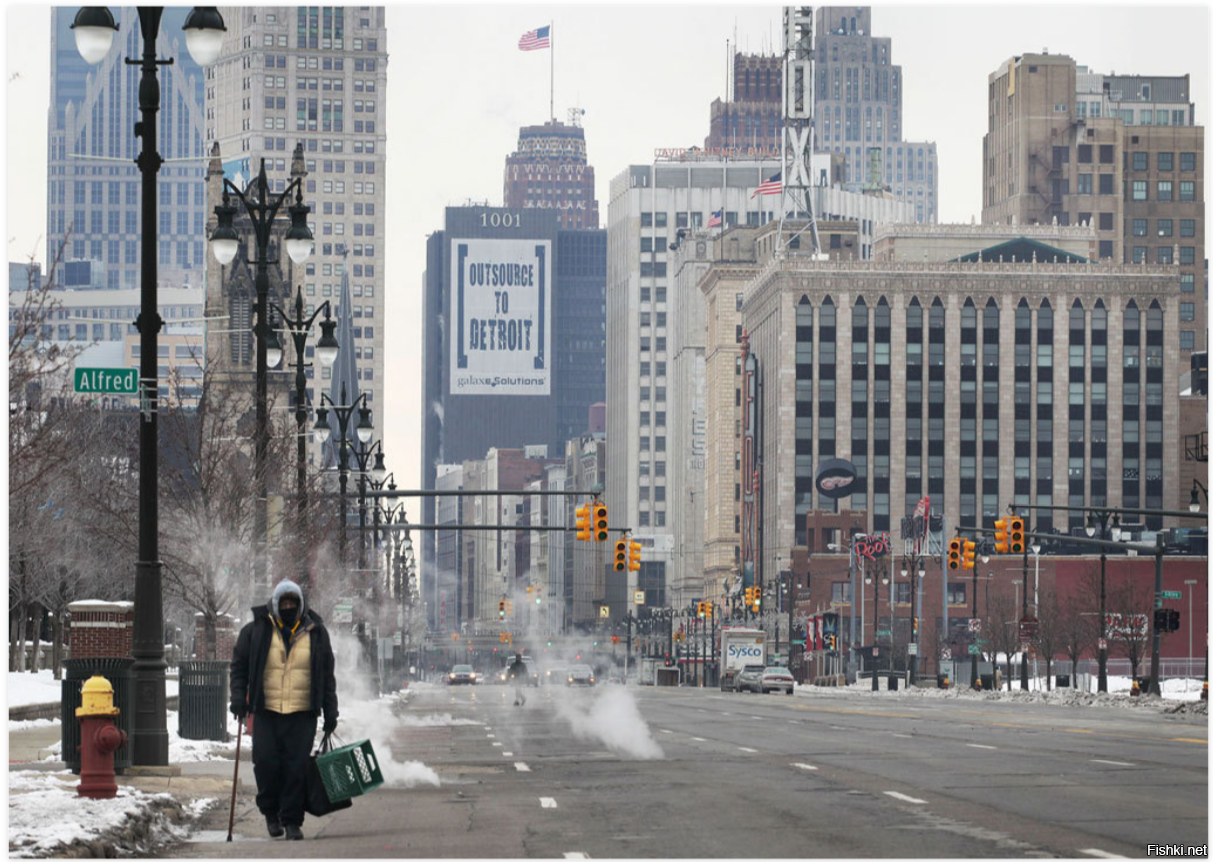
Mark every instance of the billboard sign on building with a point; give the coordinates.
(501, 305)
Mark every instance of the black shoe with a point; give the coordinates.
(293, 832)
(274, 825)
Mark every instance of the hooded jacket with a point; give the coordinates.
(253, 648)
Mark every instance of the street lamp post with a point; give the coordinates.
(262, 210)
(326, 352)
(362, 457)
(323, 428)
(94, 28)
(1099, 520)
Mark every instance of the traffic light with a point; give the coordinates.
(582, 513)
(1161, 620)
(509, 608)
(708, 607)
(529, 589)
(914, 627)
(970, 549)
(600, 522)
(633, 556)
(1172, 620)
(954, 547)
(1001, 545)
(501, 609)
(1017, 543)
(699, 612)
(749, 596)
(614, 639)
(757, 597)
(621, 555)
(832, 642)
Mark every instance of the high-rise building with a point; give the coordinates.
(1121, 153)
(513, 337)
(858, 110)
(93, 185)
(550, 170)
(314, 77)
(752, 122)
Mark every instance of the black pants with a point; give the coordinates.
(282, 745)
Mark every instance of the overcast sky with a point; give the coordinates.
(459, 88)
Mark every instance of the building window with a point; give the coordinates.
(1166, 254)
(1140, 226)
(1106, 188)
(840, 591)
(1187, 255)
(1141, 254)
(1187, 190)
(1187, 227)
(1164, 227)
(1187, 311)
(1141, 161)
(956, 594)
(1164, 190)
(1085, 185)
(1166, 161)
(1187, 283)
(1187, 340)
(1139, 190)
(1187, 161)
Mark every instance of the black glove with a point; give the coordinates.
(240, 710)
(330, 724)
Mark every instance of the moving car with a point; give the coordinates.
(533, 678)
(580, 674)
(749, 678)
(461, 674)
(776, 679)
(556, 674)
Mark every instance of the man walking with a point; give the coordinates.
(282, 673)
(519, 675)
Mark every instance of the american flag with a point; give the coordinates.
(773, 186)
(536, 40)
(715, 220)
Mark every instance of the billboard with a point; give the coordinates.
(501, 312)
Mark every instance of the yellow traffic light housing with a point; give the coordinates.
(621, 555)
(749, 597)
(708, 607)
(1017, 542)
(699, 609)
(600, 522)
(633, 556)
(1001, 545)
(954, 548)
(501, 609)
(757, 597)
(582, 514)
(970, 560)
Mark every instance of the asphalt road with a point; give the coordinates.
(744, 776)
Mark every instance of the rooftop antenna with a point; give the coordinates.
(797, 143)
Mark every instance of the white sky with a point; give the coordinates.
(459, 88)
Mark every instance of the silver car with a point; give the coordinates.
(461, 674)
(580, 674)
(776, 679)
(748, 679)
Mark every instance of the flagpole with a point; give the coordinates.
(552, 73)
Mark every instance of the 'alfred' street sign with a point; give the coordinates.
(1172, 594)
(109, 381)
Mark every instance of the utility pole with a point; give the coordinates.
(975, 679)
(1023, 647)
(1160, 545)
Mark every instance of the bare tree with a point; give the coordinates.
(1002, 625)
(1078, 629)
(1049, 634)
(1129, 605)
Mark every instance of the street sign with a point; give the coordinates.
(913, 649)
(343, 611)
(974, 649)
(1172, 594)
(1103, 643)
(975, 625)
(638, 597)
(1029, 626)
(396, 639)
(875, 651)
(604, 611)
(111, 381)
(946, 655)
(884, 632)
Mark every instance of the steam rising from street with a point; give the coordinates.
(610, 715)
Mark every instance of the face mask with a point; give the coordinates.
(288, 615)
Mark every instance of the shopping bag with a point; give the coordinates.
(316, 798)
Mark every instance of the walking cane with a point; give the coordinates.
(231, 817)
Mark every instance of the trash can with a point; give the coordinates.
(892, 682)
(987, 681)
(77, 671)
(202, 700)
(1063, 680)
(939, 677)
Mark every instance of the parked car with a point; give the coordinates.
(748, 679)
(580, 674)
(776, 679)
(461, 674)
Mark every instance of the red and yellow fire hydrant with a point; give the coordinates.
(1135, 689)
(99, 739)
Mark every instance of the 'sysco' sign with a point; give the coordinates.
(110, 381)
(835, 478)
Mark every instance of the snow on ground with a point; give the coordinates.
(51, 813)
(42, 687)
(32, 723)
(193, 750)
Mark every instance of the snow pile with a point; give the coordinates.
(194, 750)
(611, 717)
(14, 725)
(50, 814)
(25, 689)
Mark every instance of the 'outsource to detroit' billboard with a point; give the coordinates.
(502, 322)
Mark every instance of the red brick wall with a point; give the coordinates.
(100, 629)
(225, 638)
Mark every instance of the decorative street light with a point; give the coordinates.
(94, 28)
(870, 578)
(362, 457)
(323, 429)
(326, 352)
(262, 210)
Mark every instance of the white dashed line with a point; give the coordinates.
(904, 798)
(576, 855)
(749, 750)
(1102, 854)
(726, 713)
(757, 718)
(663, 730)
(547, 802)
(507, 754)
(803, 766)
(496, 743)
(491, 735)
(977, 745)
(522, 767)
(836, 727)
(903, 736)
(1112, 763)
(698, 739)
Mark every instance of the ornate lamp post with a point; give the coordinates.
(323, 428)
(94, 28)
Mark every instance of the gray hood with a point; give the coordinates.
(286, 587)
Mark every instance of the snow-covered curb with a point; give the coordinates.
(47, 818)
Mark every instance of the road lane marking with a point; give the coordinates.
(757, 718)
(804, 766)
(576, 855)
(1077, 730)
(1112, 762)
(726, 713)
(978, 745)
(496, 743)
(1102, 854)
(547, 802)
(663, 730)
(521, 767)
(492, 735)
(698, 739)
(904, 798)
(1182, 739)
(903, 736)
(750, 750)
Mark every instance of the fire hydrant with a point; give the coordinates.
(99, 739)
(1135, 690)
(1204, 691)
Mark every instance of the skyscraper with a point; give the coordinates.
(858, 109)
(315, 76)
(550, 170)
(93, 184)
(1119, 152)
(753, 120)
